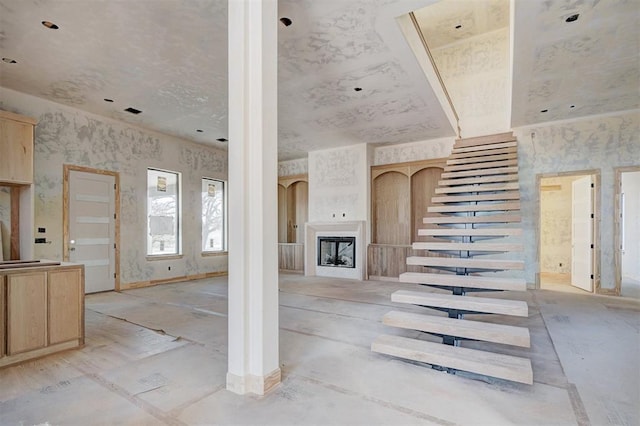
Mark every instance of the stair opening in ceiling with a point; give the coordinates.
(463, 47)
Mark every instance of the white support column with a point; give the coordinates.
(253, 183)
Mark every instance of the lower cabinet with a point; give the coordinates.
(41, 311)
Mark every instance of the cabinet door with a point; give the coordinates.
(16, 151)
(65, 292)
(2, 316)
(26, 312)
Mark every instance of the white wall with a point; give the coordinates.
(599, 142)
(476, 74)
(339, 184)
(631, 254)
(293, 167)
(66, 135)
(413, 151)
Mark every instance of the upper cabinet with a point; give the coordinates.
(16, 148)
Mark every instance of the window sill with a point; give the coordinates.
(214, 253)
(164, 257)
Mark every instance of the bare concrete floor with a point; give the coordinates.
(159, 356)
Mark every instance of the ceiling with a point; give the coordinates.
(168, 58)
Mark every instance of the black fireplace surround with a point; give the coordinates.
(337, 252)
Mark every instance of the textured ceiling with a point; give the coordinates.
(168, 58)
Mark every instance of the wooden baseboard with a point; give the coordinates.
(39, 353)
(151, 283)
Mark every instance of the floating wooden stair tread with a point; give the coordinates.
(456, 262)
(479, 172)
(477, 166)
(485, 152)
(475, 330)
(473, 160)
(501, 218)
(469, 232)
(497, 247)
(495, 365)
(484, 148)
(499, 196)
(478, 188)
(486, 305)
(478, 179)
(484, 140)
(485, 207)
(468, 281)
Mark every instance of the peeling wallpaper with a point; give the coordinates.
(68, 136)
(414, 151)
(595, 143)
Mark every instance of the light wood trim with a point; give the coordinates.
(491, 364)
(470, 281)
(516, 308)
(287, 181)
(500, 218)
(499, 247)
(3, 337)
(456, 262)
(18, 117)
(408, 168)
(484, 159)
(503, 195)
(485, 140)
(551, 188)
(477, 179)
(617, 231)
(478, 166)
(478, 188)
(476, 330)
(471, 232)
(14, 241)
(485, 152)
(484, 147)
(474, 208)
(39, 353)
(66, 170)
(480, 172)
(65, 295)
(151, 283)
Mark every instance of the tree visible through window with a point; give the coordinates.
(163, 210)
(213, 215)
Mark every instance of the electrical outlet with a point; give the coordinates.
(41, 230)
(41, 241)
(561, 264)
(169, 268)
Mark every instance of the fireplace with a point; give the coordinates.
(339, 252)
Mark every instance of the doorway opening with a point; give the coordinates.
(627, 232)
(568, 232)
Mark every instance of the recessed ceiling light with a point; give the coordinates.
(544, 110)
(458, 26)
(108, 100)
(199, 130)
(222, 140)
(572, 106)
(9, 61)
(50, 25)
(286, 21)
(572, 18)
(133, 111)
(357, 89)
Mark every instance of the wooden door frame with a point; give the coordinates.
(595, 258)
(67, 169)
(617, 255)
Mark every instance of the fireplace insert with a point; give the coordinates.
(337, 252)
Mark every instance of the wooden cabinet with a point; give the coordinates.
(43, 307)
(65, 294)
(16, 148)
(26, 312)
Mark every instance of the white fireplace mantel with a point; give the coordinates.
(313, 230)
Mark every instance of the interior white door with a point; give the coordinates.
(582, 233)
(92, 228)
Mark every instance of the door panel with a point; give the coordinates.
(92, 228)
(582, 233)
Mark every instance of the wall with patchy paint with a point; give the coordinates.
(414, 151)
(293, 167)
(476, 74)
(66, 135)
(592, 143)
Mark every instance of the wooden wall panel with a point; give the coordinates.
(26, 312)
(302, 210)
(282, 214)
(65, 318)
(291, 257)
(423, 188)
(391, 209)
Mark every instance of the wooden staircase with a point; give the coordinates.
(476, 201)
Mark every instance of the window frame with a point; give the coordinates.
(178, 251)
(225, 222)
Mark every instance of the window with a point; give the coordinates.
(163, 210)
(213, 215)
